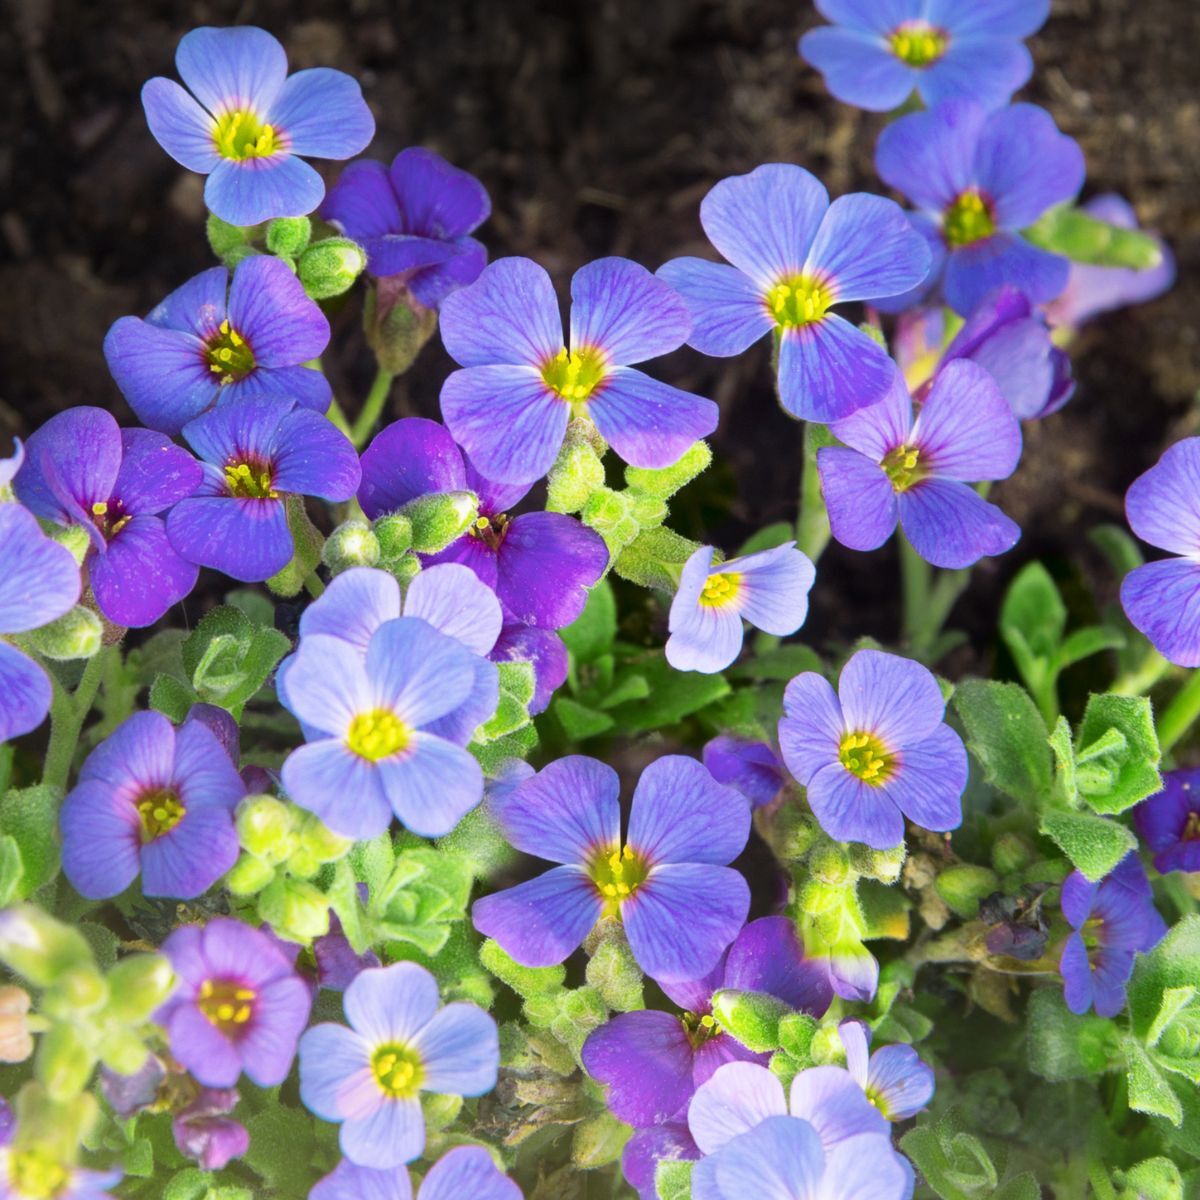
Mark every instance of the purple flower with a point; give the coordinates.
(128, 1095)
(198, 349)
(1091, 291)
(643, 1152)
(8, 1122)
(1005, 336)
(204, 1131)
(1169, 822)
(255, 453)
(464, 1173)
(31, 1174)
(539, 564)
(978, 179)
(153, 800)
(875, 55)
(245, 123)
(82, 469)
(237, 1006)
(874, 752)
(413, 220)
(916, 468)
(545, 652)
(1112, 920)
(768, 589)
(652, 1062)
(894, 1078)
(751, 767)
(1162, 598)
(39, 582)
(794, 257)
(509, 406)
(369, 721)
(681, 906)
(399, 1043)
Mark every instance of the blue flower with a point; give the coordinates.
(1169, 822)
(894, 1078)
(464, 1173)
(244, 123)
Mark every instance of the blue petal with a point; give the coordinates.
(349, 1182)
(452, 599)
(363, 202)
(972, 272)
(248, 191)
(985, 69)
(950, 525)
(1162, 505)
(618, 307)
(303, 386)
(467, 1171)
(928, 783)
(407, 459)
(196, 307)
(778, 1160)
(1162, 599)
(239, 68)
(247, 539)
(312, 457)
(859, 498)
(269, 307)
(460, 1051)
(879, 16)
(831, 1101)
(901, 1084)
(417, 672)
(859, 67)
(333, 1063)
(989, 18)
(101, 835)
(432, 785)
(829, 369)
(154, 474)
(140, 575)
(390, 1136)
(340, 787)
(895, 698)
(438, 200)
(966, 429)
(774, 587)
(930, 156)
(812, 725)
(728, 311)
(391, 1004)
(322, 113)
(648, 423)
(179, 125)
(738, 1097)
(867, 1168)
(850, 810)
(39, 580)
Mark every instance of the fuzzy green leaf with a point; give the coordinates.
(1094, 844)
(1007, 735)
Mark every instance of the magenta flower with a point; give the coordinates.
(680, 904)
(204, 1130)
(237, 1006)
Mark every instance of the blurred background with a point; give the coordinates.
(597, 127)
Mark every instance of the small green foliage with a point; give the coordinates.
(1006, 733)
(1093, 844)
(666, 481)
(228, 658)
(963, 886)
(76, 634)
(655, 558)
(673, 1180)
(306, 550)
(352, 544)
(1079, 236)
(288, 236)
(1118, 754)
(525, 981)
(1064, 1046)
(29, 819)
(751, 1017)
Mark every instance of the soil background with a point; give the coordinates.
(597, 127)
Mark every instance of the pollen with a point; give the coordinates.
(99, 509)
(720, 591)
(36, 1176)
(574, 375)
(918, 44)
(229, 355)
(377, 734)
(617, 875)
(227, 1003)
(240, 134)
(159, 810)
(490, 530)
(968, 219)
(864, 755)
(250, 481)
(798, 301)
(397, 1070)
(904, 468)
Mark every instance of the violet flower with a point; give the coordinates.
(464, 1173)
(751, 767)
(204, 1130)
(1169, 822)
(894, 1078)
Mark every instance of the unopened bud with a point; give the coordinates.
(224, 237)
(394, 536)
(750, 1017)
(295, 909)
(40, 948)
(330, 267)
(598, 1141)
(266, 828)
(884, 865)
(351, 544)
(440, 518)
(249, 875)
(64, 1061)
(288, 235)
(137, 985)
(963, 886)
(16, 1042)
(76, 634)
(73, 537)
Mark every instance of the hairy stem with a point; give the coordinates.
(68, 711)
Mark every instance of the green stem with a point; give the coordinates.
(928, 599)
(68, 711)
(313, 584)
(372, 408)
(812, 522)
(1181, 712)
(1143, 677)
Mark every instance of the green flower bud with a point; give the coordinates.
(791, 832)
(52, 1128)
(295, 909)
(137, 985)
(64, 1061)
(288, 235)
(81, 987)
(76, 634)
(440, 518)
(40, 948)
(121, 1050)
(751, 1017)
(1011, 852)
(394, 535)
(963, 886)
(614, 973)
(73, 537)
(352, 544)
(606, 509)
(829, 863)
(307, 541)
(319, 841)
(647, 511)
(796, 1032)
(817, 899)
(249, 875)
(598, 1141)
(784, 1067)
(406, 568)
(874, 333)
(238, 255)
(330, 267)
(527, 982)
(576, 474)
(884, 865)
(440, 1110)
(397, 325)
(825, 1046)
(223, 237)
(266, 828)
(580, 1011)
(664, 482)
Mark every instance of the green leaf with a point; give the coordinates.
(1064, 1046)
(1149, 1091)
(664, 482)
(1120, 773)
(578, 721)
(1077, 235)
(655, 558)
(1174, 1001)
(673, 696)
(964, 885)
(1114, 542)
(1173, 963)
(281, 1148)
(673, 1180)
(1154, 1179)
(783, 662)
(1020, 1187)
(1092, 639)
(768, 538)
(30, 818)
(956, 1165)
(1034, 609)
(1062, 745)
(228, 658)
(1007, 735)
(592, 633)
(1094, 844)
(171, 697)
(885, 911)
(11, 871)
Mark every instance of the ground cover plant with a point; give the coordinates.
(488, 835)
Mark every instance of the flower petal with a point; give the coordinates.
(829, 369)
(901, 1084)
(952, 526)
(154, 473)
(344, 790)
(895, 698)
(767, 956)
(850, 810)
(391, 1004)
(390, 1136)
(433, 785)
(546, 564)
(355, 604)
(268, 1046)
(25, 694)
(312, 457)
(856, 1041)
(140, 575)
(618, 307)
(70, 461)
(236, 68)
(737, 1098)
(409, 458)
(349, 1182)
(454, 601)
(859, 67)
(859, 498)
(812, 726)
(1163, 503)
(928, 783)
(467, 1171)
(438, 200)
(728, 311)
(180, 125)
(189, 859)
(460, 1051)
(831, 1101)
(990, 18)
(1162, 599)
(269, 307)
(39, 580)
(101, 842)
(323, 114)
(335, 1074)
(417, 672)
(773, 588)
(751, 767)
(967, 430)
(930, 156)
(251, 190)
(544, 649)
(988, 69)
(246, 539)
(867, 1168)
(778, 1160)
(974, 271)
(647, 1148)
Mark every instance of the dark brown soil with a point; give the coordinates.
(596, 127)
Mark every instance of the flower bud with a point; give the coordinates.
(266, 828)
(295, 909)
(963, 886)
(351, 544)
(664, 482)
(16, 1042)
(316, 840)
(73, 537)
(406, 568)
(76, 634)
(796, 1033)
(238, 255)
(825, 1046)
(249, 875)
(614, 973)
(38, 947)
(224, 238)
(64, 1061)
(137, 985)
(440, 518)
(884, 865)
(440, 1110)
(598, 1141)
(121, 1050)
(525, 981)
(81, 988)
(288, 235)
(330, 267)
(1011, 852)
(394, 536)
(576, 474)
(829, 863)
(750, 1017)
(791, 832)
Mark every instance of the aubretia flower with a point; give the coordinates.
(154, 800)
(680, 905)
(237, 1006)
(199, 348)
(794, 257)
(978, 179)
(520, 383)
(369, 1077)
(39, 582)
(1162, 598)
(894, 1078)
(464, 1173)
(1112, 920)
(35, 1174)
(82, 469)
(243, 122)
(670, 1142)
(204, 1130)
(255, 453)
(652, 1062)
(875, 55)
(1169, 822)
(768, 589)
(751, 767)
(874, 752)
(371, 751)
(413, 220)
(915, 469)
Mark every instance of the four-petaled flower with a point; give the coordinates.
(1169, 822)
(894, 1078)
(369, 1077)
(464, 1173)
(243, 122)
(874, 752)
(794, 257)
(669, 885)
(510, 404)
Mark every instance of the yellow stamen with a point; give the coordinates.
(918, 44)
(159, 810)
(968, 220)
(575, 376)
(250, 481)
(617, 875)
(722, 590)
(229, 355)
(397, 1070)
(799, 300)
(904, 468)
(377, 734)
(865, 755)
(226, 1003)
(240, 134)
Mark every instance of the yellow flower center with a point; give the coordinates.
(721, 590)
(617, 875)
(917, 43)
(903, 467)
(227, 1004)
(968, 220)
(250, 481)
(397, 1070)
(229, 354)
(700, 1029)
(160, 811)
(239, 134)
(35, 1176)
(490, 530)
(864, 755)
(800, 300)
(377, 734)
(575, 375)
(109, 517)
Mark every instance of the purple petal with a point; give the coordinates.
(728, 311)
(834, 1105)
(454, 601)
(752, 768)
(850, 810)
(179, 125)
(354, 605)
(812, 726)
(1032, 373)
(437, 200)
(767, 957)
(900, 1083)
(343, 789)
(1078, 898)
(409, 458)
(765, 222)
(986, 69)
(1162, 818)
(314, 458)
(101, 840)
(248, 191)
(140, 575)
(335, 1073)
(432, 285)
(930, 156)
(683, 916)
(494, 497)
(25, 694)
(829, 369)
(859, 69)
(647, 1148)
(189, 859)
(773, 588)
(196, 307)
(433, 785)
(363, 202)
(952, 526)
(459, 1050)
(542, 921)
(39, 580)
(303, 386)
(546, 564)
(268, 1047)
(737, 1098)
(1077, 975)
(777, 1160)
(70, 462)
(618, 307)
(867, 1168)
(201, 1048)
(327, 684)
(681, 814)
(879, 428)
(928, 782)
(323, 114)
(350, 1182)
(139, 753)
(391, 1135)
(966, 429)
(545, 650)
(247, 539)
(467, 1171)
(1163, 503)
(270, 309)
(859, 498)
(894, 698)
(990, 18)
(856, 1041)
(237, 68)
(645, 1060)
(1162, 599)
(974, 271)
(154, 473)
(419, 673)
(391, 1004)
(875, 16)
